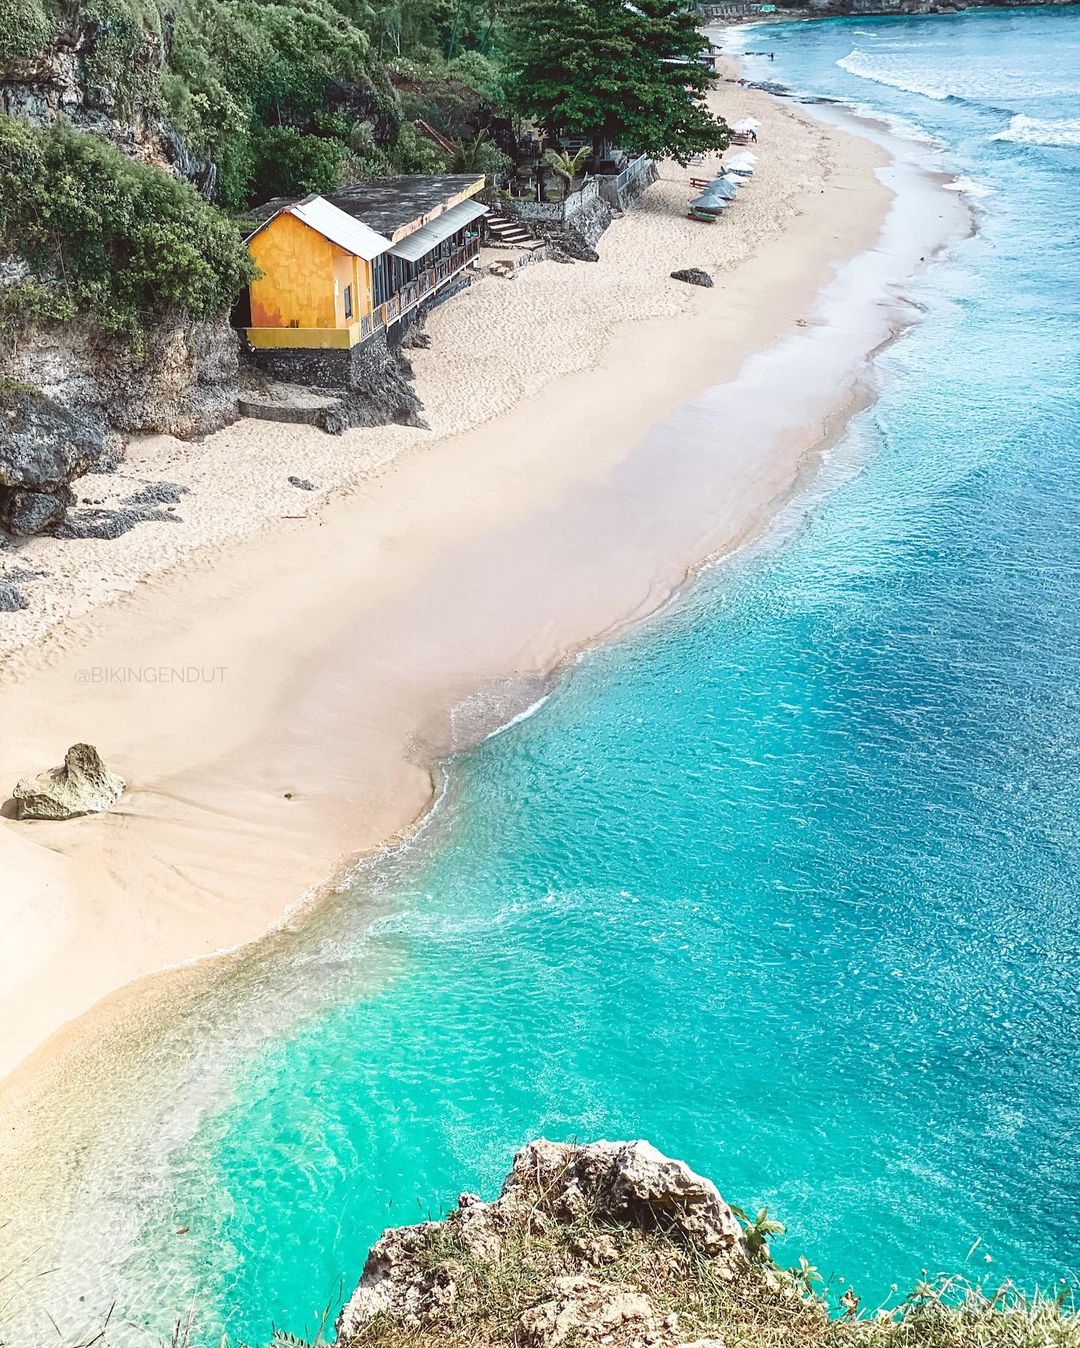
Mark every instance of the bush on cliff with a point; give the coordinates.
(24, 28)
(121, 240)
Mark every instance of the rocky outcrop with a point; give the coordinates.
(83, 785)
(589, 1229)
(693, 276)
(71, 393)
(181, 378)
(43, 447)
(374, 379)
(67, 80)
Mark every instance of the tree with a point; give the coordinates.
(623, 71)
(566, 167)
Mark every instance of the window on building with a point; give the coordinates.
(348, 301)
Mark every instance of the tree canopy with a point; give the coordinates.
(623, 71)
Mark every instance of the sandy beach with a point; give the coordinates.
(276, 674)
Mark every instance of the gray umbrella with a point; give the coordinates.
(710, 201)
(722, 189)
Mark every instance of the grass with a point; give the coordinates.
(760, 1306)
(764, 1307)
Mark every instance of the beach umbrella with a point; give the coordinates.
(709, 201)
(747, 124)
(743, 157)
(721, 189)
(732, 180)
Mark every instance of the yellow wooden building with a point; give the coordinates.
(334, 270)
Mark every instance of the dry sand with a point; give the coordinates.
(275, 674)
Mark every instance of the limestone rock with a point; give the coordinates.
(610, 1194)
(109, 524)
(12, 598)
(395, 1283)
(82, 786)
(44, 445)
(584, 1311)
(693, 276)
(23, 512)
(627, 1182)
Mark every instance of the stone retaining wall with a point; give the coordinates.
(554, 212)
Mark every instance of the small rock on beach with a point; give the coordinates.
(693, 276)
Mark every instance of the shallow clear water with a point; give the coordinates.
(786, 882)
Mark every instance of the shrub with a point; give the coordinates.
(124, 240)
(24, 28)
(289, 163)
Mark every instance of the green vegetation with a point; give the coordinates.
(764, 1307)
(24, 28)
(621, 73)
(265, 97)
(261, 98)
(121, 240)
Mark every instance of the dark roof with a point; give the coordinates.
(388, 204)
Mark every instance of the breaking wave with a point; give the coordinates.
(1035, 131)
(969, 187)
(868, 67)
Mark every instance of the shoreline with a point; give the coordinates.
(430, 738)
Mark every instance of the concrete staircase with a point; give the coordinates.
(504, 231)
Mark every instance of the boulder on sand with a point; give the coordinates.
(693, 276)
(84, 785)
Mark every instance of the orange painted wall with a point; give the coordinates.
(304, 278)
(297, 281)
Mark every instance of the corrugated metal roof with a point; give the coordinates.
(333, 224)
(413, 246)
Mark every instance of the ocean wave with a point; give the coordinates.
(984, 87)
(868, 67)
(1035, 131)
(969, 187)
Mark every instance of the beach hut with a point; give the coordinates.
(335, 271)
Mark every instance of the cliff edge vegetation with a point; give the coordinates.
(615, 1244)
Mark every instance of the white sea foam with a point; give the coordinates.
(899, 126)
(976, 82)
(969, 187)
(1035, 131)
(870, 67)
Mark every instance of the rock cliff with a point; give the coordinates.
(614, 1245)
(76, 76)
(583, 1247)
(70, 393)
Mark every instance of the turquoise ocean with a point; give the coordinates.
(785, 881)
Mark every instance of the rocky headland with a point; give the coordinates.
(615, 1244)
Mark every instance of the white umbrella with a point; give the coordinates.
(732, 179)
(747, 124)
(746, 157)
